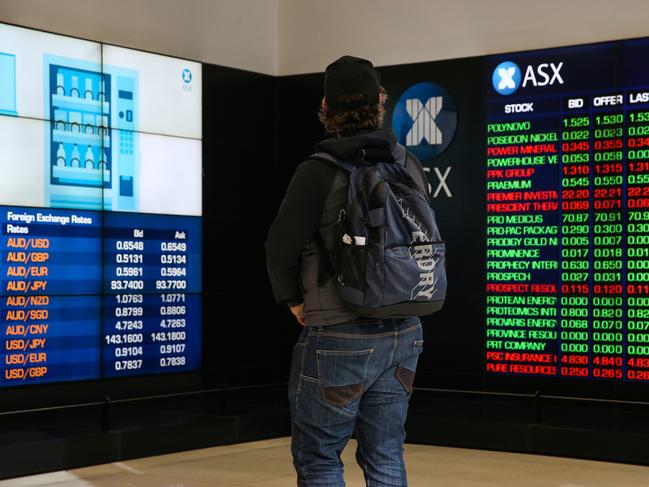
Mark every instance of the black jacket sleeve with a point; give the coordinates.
(295, 224)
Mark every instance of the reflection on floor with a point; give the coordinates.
(267, 463)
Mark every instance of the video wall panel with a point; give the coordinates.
(567, 203)
(100, 206)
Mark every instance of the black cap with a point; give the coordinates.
(351, 75)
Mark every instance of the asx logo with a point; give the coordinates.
(507, 77)
(425, 121)
(187, 76)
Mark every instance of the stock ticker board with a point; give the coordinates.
(567, 205)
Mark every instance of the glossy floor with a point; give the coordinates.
(268, 464)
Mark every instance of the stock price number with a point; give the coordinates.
(128, 364)
(129, 325)
(128, 351)
(124, 339)
(126, 285)
(168, 336)
(172, 361)
(129, 245)
(173, 323)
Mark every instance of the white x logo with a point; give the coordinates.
(423, 117)
(507, 78)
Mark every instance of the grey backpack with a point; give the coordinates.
(384, 253)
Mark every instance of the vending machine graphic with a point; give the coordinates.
(7, 84)
(91, 144)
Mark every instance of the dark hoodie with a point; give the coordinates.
(313, 201)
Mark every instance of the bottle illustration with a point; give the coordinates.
(88, 93)
(75, 160)
(60, 87)
(60, 156)
(60, 120)
(102, 161)
(88, 123)
(90, 159)
(75, 122)
(99, 128)
(102, 92)
(74, 90)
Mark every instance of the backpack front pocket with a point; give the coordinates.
(351, 266)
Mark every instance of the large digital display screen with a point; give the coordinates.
(567, 209)
(100, 210)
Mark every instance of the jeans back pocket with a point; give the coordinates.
(342, 374)
(407, 369)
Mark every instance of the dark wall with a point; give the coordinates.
(239, 203)
(298, 131)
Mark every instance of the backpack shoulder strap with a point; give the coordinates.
(348, 167)
(325, 270)
(408, 161)
(415, 168)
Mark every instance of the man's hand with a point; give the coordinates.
(298, 312)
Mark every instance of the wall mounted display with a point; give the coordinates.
(100, 207)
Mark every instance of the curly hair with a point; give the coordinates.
(348, 122)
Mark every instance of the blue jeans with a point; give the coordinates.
(352, 378)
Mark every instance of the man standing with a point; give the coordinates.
(349, 374)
